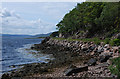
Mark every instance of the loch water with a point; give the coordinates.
(16, 52)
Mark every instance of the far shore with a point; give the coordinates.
(35, 38)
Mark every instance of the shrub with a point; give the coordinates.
(115, 67)
(115, 42)
(107, 40)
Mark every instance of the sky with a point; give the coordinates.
(32, 17)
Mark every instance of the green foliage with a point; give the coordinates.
(107, 40)
(115, 42)
(108, 16)
(92, 17)
(58, 38)
(54, 34)
(115, 67)
(95, 40)
(119, 50)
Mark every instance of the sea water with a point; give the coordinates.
(16, 52)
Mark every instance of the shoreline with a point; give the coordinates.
(65, 57)
(28, 52)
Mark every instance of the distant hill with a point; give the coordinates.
(14, 35)
(42, 35)
(38, 35)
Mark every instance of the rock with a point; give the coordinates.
(109, 62)
(92, 61)
(102, 43)
(100, 49)
(84, 48)
(95, 50)
(111, 53)
(106, 53)
(75, 70)
(92, 47)
(113, 76)
(72, 66)
(45, 40)
(5, 76)
(103, 65)
(115, 48)
(88, 51)
(104, 58)
(117, 36)
(106, 46)
(32, 47)
(12, 66)
(92, 53)
(68, 45)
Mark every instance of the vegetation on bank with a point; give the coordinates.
(92, 18)
(115, 67)
(112, 42)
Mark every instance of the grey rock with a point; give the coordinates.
(104, 58)
(75, 70)
(118, 36)
(5, 76)
(103, 65)
(92, 61)
(100, 50)
(111, 53)
(84, 48)
(45, 40)
(92, 47)
(72, 66)
(106, 46)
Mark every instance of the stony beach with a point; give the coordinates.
(71, 59)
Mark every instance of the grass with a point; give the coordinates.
(114, 42)
(95, 40)
(115, 67)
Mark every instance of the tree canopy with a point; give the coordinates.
(92, 17)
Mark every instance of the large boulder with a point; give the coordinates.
(5, 76)
(104, 58)
(92, 61)
(70, 71)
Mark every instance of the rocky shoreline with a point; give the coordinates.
(71, 58)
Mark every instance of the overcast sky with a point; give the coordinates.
(32, 18)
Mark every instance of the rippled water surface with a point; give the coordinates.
(15, 52)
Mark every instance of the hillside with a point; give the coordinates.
(42, 35)
(91, 19)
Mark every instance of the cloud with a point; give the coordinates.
(12, 23)
(56, 10)
(5, 13)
